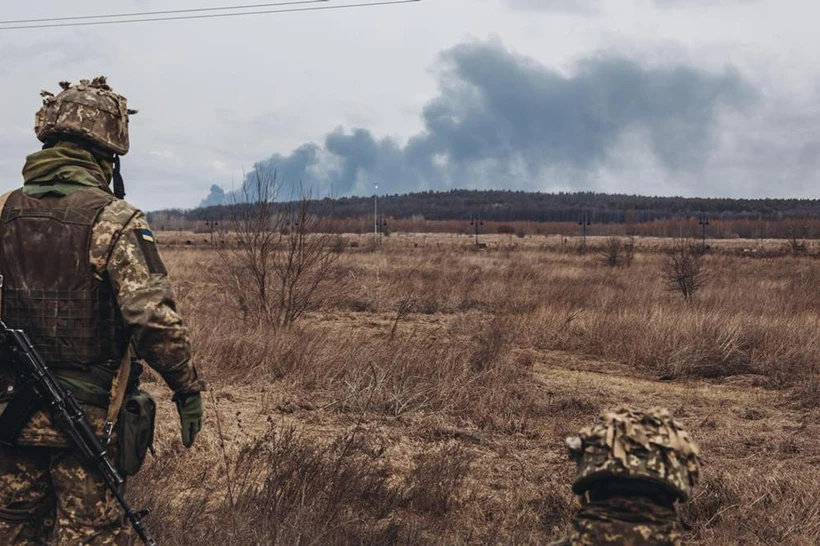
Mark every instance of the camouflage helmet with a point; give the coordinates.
(644, 445)
(89, 110)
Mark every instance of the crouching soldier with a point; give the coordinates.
(632, 468)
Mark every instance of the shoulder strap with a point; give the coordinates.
(118, 388)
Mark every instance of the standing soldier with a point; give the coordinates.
(632, 468)
(82, 276)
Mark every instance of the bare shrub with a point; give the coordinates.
(683, 268)
(617, 253)
(339, 244)
(796, 231)
(281, 260)
(490, 342)
(404, 307)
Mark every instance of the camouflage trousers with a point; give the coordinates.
(624, 522)
(47, 496)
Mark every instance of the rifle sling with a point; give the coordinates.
(118, 387)
(18, 412)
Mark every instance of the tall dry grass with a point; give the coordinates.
(423, 404)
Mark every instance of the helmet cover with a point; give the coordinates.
(644, 445)
(89, 110)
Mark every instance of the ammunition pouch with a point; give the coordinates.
(135, 430)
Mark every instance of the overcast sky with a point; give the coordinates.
(661, 97)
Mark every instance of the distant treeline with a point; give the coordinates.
(554, 212)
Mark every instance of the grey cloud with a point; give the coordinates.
(588, 7)
(775, 152)
(72, 49)
(689, 3)
(504, 120)
(155, 180)
(565, 6)
(16, 144)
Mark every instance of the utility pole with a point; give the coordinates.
(703, 222)
(476, 221)
(584, 222)
(376, 214)
(210, 224)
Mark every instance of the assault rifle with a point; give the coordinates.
(36, 388)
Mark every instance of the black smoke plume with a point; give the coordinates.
(505, 121)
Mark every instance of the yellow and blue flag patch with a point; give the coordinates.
(147, 235)
(147, 244)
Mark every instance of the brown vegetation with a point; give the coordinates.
(792, 231)
(426, 400)
(280, 260)
(683, 267)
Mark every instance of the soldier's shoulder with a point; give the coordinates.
(117, 213)
(117, 217)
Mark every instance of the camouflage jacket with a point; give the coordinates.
(134, 268)
(623, 522)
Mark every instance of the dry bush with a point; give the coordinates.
(683, 268)
(280, 259)
(617, 253)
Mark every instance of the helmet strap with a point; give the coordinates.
(119, 185)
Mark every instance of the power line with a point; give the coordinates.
(211, 16)
(163, 12)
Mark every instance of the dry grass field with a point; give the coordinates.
(427, 399)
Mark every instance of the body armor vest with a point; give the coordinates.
(49, 287)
